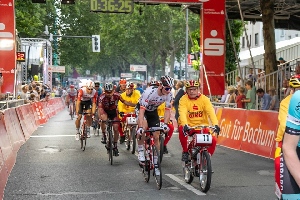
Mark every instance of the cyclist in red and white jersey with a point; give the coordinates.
(71, 94)
(108, 109)
(86, 101)
(147, 113)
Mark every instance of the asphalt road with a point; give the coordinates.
(51, 165)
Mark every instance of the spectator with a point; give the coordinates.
(180, 92)
(24, 95)
(265, 99)
(47, 97)
(285, 88)
(241, 96)
(250, 96)
(238, 82)
(274, 105)
(139, 88)
(261, 79)
(224, 96)
(231, 95)
(251, 76)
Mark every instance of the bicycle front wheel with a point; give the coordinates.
(110, 146)
(205, 171)
(161, 146)
(157, 169)
(71, 111)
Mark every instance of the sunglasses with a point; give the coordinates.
(96, 85)
(167, 88)
(89, 88)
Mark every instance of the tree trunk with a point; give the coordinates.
(267, 7)
(163, 63)
(172, 63)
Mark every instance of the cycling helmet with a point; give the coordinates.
(122, 81)
(153, 83)
(108, 87)
(89, 84)
(72, 86)
(130, 85)
(295, 81)
(167, 81)
(192, 83)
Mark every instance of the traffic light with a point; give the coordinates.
(67, 1)
(96, 43)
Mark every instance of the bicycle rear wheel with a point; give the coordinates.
(158, 177)
(71, 111)
(110, 146)
(161, 146)
(133, 138)
(205, 171)
(146, 171)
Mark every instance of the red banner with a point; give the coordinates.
(7, 45)
(213, 46)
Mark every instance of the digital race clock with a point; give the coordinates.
(112, 6)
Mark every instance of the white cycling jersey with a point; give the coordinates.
(72, 93)
(150, 100)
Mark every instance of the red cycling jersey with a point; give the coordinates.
(84, 96)
(109, 102)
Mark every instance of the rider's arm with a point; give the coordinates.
(94, 100)
(127, 102)
(141, 116)
(168, 108)
(100, 107)
(80, 93)
(292, 161)
(283, 110)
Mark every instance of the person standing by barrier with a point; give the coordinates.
(240, 97)
(265, 99)
(250, 96)
(274, 104)
(180, 92)
(282, 117)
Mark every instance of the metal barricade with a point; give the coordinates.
(11, 103)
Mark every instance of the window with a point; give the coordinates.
(256, 39)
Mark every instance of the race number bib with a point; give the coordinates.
(203, 139)
(131, 120)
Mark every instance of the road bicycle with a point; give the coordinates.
(130, 131)
(110, 137)
(72, 108)
(199, 163)
(83, 132)
(150, 152)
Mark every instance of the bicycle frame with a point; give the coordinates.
(199, 164)
(83, 132)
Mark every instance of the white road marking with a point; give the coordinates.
(52, 136)
(187, 186)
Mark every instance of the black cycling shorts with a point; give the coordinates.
(85, 105)
(111, 114)
(289, 185)
(151, 116)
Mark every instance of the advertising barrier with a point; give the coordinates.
(251, 131)
(3, 175)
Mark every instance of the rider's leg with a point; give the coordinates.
(88, 122)
(116, 137)
(168, 136)
(103, 127)
(212, 148)
(77, 124)
(140, 141)
(183, 142)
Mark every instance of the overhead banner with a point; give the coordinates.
(213, 47)
(7, 45)
(138, 68)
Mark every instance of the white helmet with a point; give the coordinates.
(108, 87)
(89, 84)
(153, 83)
(129, 85)
(167, 81)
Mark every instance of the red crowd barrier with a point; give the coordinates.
(252, 131)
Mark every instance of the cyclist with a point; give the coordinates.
(98, 88)
(161, 112)
(71, 94)
(147, 112)
(130, 95)
(107, 109)
(195, 109)
(86, 101)
(290, 162)
(282, 116)
(122, 86)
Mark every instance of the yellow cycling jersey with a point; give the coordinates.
(134, 98)
(195, 112)
(161, 110)
(283, 112)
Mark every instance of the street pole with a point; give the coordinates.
(186, 40)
